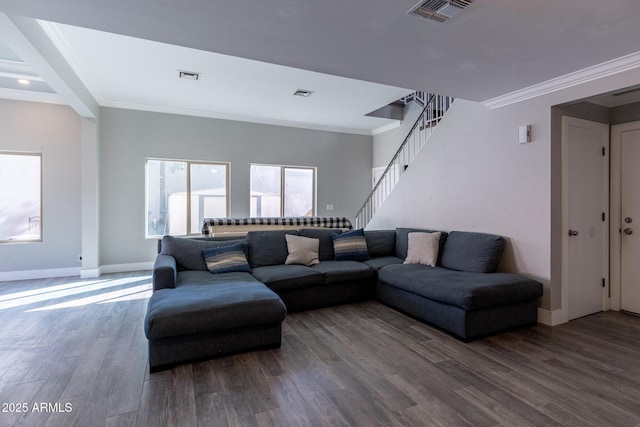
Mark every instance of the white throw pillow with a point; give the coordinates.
(302, 250)
(423, 248)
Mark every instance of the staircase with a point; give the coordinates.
(434, 108)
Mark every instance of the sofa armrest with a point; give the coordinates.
(164, 272)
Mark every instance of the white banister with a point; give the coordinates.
(434, 108)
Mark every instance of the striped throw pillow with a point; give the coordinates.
(226, 259)
(351, 245)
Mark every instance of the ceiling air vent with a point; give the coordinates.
(438, 10)
(188, 75)
(303, 92)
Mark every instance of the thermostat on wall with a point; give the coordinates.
(524, 134)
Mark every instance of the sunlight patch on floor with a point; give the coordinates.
(47, 294)
(136, 292)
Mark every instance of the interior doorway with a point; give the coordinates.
(625, 210)
(585, 198)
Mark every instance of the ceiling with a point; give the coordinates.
(355, 53)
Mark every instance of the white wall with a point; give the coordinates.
(473, 175)
(387, 143)
(127, 137)
(55, 132)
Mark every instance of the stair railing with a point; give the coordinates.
(434, 108)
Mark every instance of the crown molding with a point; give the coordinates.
(595, 72)
(385, 128)
(31, 96)
(235, 117)
(18, 69)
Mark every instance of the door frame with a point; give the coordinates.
(615, 225)
(566, 121)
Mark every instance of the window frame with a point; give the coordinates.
(41, 191)
(188, 163)
(283, 168)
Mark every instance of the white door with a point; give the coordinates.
(585, 194)
(630, 219)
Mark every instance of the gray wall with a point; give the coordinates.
(55, 132)
(625, 114)
(127, 137)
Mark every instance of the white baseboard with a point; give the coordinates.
(90, 273)
(85, 273)
(123, 268)
(39, 274)
(550, 318)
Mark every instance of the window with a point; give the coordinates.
(181, 194)
(282, 191)
(20, 197)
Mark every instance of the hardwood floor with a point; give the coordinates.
(78, 347)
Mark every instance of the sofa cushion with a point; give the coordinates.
(380, 242)
(192, 277)
(287, 277)
(475, 252)
(188, 252)
(302, 250)
(216, 306)
(423, 248)
(470, 291)
(267, 247)
(325, 235)
(351, 245)
(343, 271)
(379, 262)
(402, 241)
(226, 259)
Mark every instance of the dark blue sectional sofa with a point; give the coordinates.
(194, 314)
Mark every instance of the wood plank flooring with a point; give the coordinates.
(78, 347)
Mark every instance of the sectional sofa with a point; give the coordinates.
(215, 296)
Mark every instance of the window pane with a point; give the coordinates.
(20, 197)
(208, 193)
(166, 197)
(298, 192)
(265, 191)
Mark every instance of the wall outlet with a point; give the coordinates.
(330, 207)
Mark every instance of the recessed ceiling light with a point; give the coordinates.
(303, 92)
(188, 75)
(23, 82)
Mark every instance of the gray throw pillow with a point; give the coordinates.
(302, 250)
(402, 240)
(423, 248)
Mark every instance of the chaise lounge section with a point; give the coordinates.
(463, 293)
(195, 314)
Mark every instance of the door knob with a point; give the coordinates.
(627, 231)
(573, 233)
